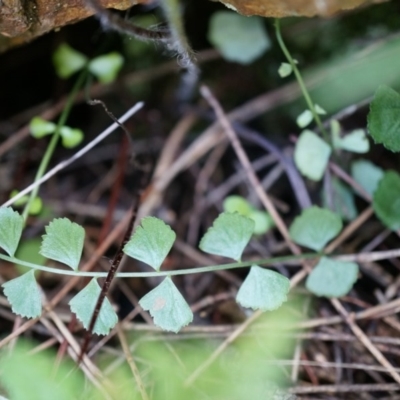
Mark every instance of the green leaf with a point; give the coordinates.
(39, 127)
(237, 204)
(238, 38)
(262, 220)
(304, 118)
(386, 200)
(167, 306)
(356, 141)
(28, 251)
(285, 70)
(315, 227)
(67, 60)
(37, 373)
(84, 303)
(367, 175)
(311, 155)
(319, 110)
(343, 200)
(107, 66)
(151, 242)
(71, 137)
(228, 236)
(63, 242)
(384, 118)
(21, 201)
(263, 289)
(36, 206)
(331, 278)
(24, 295)
(11, 225)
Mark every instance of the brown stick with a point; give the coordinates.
(117, 260)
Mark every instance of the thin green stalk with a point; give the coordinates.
(300, 80)
(54, 139)
(197, 270)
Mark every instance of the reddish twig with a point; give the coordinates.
(117, 258)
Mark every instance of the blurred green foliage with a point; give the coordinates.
(244, 370)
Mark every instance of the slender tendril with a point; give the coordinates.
(196, 270)
(300, 80)
(55, 139)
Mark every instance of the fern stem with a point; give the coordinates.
(55, 139)
(196, 270)
(300, 81)
(179, 39)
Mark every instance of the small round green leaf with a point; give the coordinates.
(304, 118)
(71, 137)
(386, 200)
(151, 242)
(366, 174)
(21, 201)
(356, 142)
(311, 155)
(331, 278)
(237, 204)
(167, 306)
(285, 70)
(24, 295)
(39, 127)
(106, 67)
(262, 220)
(228, 236)
(263, 289)
(84, 303)
(11, 225)
(63, 242)
(36, 206)
(384, 118)
(67, 60)
(315, 227)
(319, 110)
(238, 38)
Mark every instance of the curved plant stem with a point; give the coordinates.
(291, 259)
(55, 138)
(300, 80)
(196, 270)
(180, 44)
